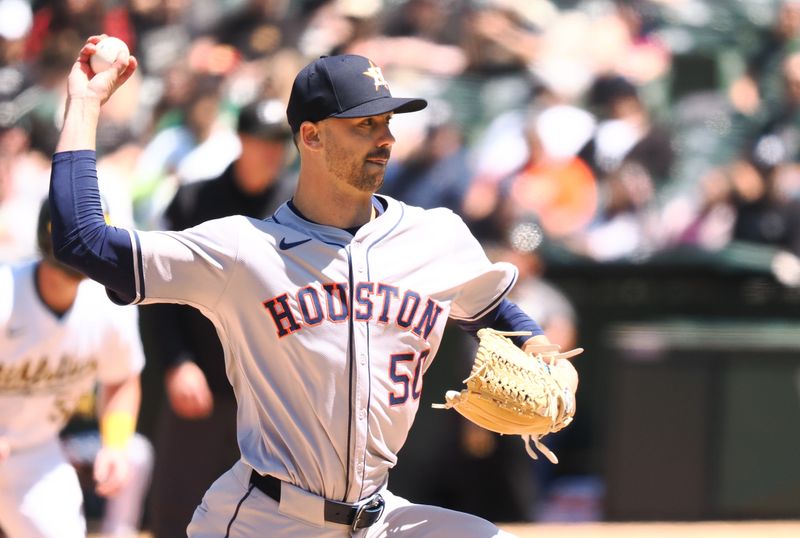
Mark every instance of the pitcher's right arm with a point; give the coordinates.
(81, 238)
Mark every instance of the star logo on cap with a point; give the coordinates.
(374, 72)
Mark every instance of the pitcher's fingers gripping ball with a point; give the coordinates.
(109, 50)
(510, 391)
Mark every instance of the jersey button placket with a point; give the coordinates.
(362, 383)
(361, 423)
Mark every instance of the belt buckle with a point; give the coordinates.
(368, 513)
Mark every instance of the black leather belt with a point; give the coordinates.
(356, 516)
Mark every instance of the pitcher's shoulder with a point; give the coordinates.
(444, 221)
(441, 215)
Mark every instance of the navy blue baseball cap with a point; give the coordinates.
(344, 86)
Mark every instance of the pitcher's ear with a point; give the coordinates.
(309, 135)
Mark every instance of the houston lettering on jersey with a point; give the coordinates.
(373, 301)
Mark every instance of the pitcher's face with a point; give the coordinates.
(357, 150)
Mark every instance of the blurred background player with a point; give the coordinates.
(59, 336)
(196, 435)
(118, 515)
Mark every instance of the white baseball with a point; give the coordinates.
(108, 50)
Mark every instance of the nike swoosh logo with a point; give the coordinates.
(13, 332)
(286, 246)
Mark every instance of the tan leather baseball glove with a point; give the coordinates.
(513, 392)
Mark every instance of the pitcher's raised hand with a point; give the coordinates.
(84, 83)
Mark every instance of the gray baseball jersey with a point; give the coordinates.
(326, 335)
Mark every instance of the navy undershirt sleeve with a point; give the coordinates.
(81, 237)
(506, 317)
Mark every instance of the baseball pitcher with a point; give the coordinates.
(329, 312)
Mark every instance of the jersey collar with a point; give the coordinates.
(389, 213)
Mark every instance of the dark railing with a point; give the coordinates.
(689, 403)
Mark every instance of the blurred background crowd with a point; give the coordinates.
(562, 131)
(619, 127)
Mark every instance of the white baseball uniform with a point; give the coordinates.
(46, 363)
(327, 337)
